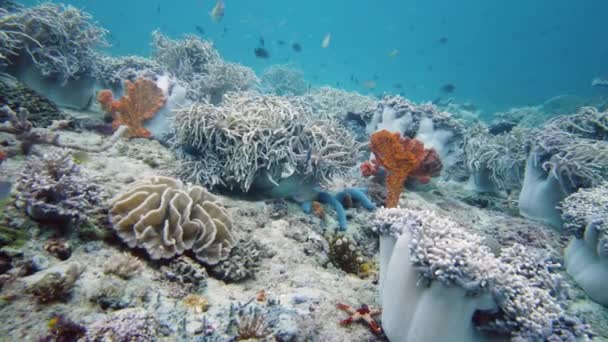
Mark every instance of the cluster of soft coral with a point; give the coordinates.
(401, 158)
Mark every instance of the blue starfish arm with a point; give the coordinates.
(358, 195)
(325, 197)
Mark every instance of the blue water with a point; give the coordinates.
(497, 54)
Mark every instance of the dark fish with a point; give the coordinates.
(375, 77)
(398, 86)
(443, 40)
(158, 8)
(200, 30)
(225, 32)
(337, 83)
(448, 88)
(429, 68)
(261, 41)
(5, 189)
(281, 42)
(296, 47)
(260, 52)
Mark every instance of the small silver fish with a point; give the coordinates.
(326, 41)
(217, 13)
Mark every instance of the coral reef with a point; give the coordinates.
(496, 161)
(16, 95)
(346, 198)
(18, 125)
(262, 138)
(337, 103)
(567, 153)
(400, 157)
(166, 218)
(440, 282)
(283, 80)
(123, 265)
(250, 323)
(52, 188)
(55, 286)
(60, 249)
(585, 215)
(60, 40)
(197, 64)
(243, 262)
(133, 324)
(141, 102)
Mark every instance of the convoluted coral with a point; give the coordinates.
(585, 214)
(283, 80)
(166, 218)
(60, 40)
(254, 137)
(187, 272)
(133, 324)
(51, 188)
(435, 277)
(496, 161)
(399, 157)
(141, 102)
(197, 64)
(567, 153)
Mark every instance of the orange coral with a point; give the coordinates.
(141, 102)
(318, 210)
(3, 156)
(399, 157)
(429, 167)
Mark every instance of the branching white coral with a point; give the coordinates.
(337, 102)
(434, 276)
(283, 80)
(59, 39)
(254, 135)
(196, 63)
(496, 160)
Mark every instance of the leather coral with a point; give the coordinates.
(401, 158)
(141, 102)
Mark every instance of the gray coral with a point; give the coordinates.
(166, 218)
(52, 188)
(199, 67)
(60, 40)
(252, 137)
(113, 71)
(242, 263)
(283, 80)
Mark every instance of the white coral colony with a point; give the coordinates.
(166, 218)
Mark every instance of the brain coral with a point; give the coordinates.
(166, 218)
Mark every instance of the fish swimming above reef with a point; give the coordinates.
(599, 83)
(296, 47)
(280, 42)
(443, 40)
(260, 52)
(261, 41)
(326, 41)
(370, 84)
(393, 53)
(448, 88)
(200, 30)
(217, 13)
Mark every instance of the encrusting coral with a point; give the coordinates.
(585, 215)
(440, 282)
(142, 100)
(123, 265)
(55, 286)
(132, 324)
(401, 157)
(166, 218)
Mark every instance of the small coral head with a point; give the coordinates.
(399, 156)
(105, 99)
(369, 168)
(430, 166)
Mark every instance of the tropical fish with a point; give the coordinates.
(217, 13)
(261, 41)
(200, 30)
(326, 41)
(369, 84)
(281, 42)
(393, 53)
(260, 52)
(448, 88)
(443, 40)
(296, 47)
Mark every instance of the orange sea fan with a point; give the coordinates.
(141, 102)
(399, 157)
